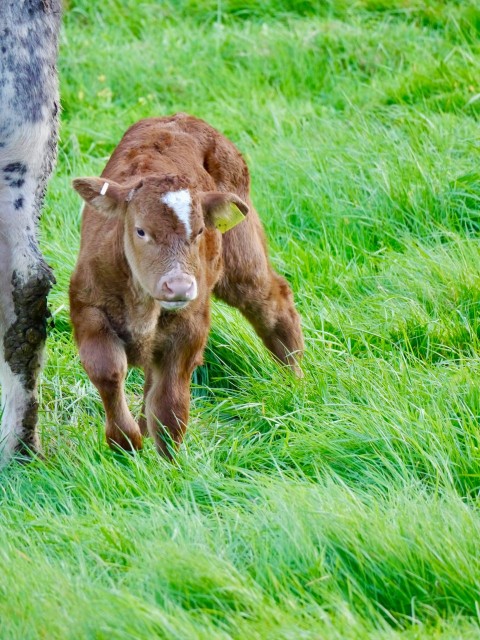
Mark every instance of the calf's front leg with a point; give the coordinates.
(142, 420)
(167, 408)
(105, 361)
(167, 402)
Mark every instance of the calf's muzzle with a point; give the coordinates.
(175, 290)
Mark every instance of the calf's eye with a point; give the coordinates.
(140, 232)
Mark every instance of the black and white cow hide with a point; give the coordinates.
(28, 140)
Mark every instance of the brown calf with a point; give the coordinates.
(152, 252)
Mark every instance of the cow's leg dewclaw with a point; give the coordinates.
(105, 362)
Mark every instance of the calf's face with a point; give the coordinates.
(164, 220)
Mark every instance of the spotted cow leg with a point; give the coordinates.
(28, 140)
(24, 284)
(25, 280)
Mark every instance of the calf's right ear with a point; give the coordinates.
(106, 195)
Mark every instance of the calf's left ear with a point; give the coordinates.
(104, 194)
(223, 210)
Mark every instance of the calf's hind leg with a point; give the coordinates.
(274, 318)
(104, 359)
(265, 299)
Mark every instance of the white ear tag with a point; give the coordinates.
(104, 189)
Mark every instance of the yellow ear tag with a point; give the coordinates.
(228, 218)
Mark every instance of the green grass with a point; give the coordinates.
(343, 506)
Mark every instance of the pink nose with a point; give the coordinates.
(178, 287)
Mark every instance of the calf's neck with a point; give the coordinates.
(168, 223)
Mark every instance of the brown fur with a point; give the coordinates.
(114, 291)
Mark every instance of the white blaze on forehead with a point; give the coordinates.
(180, 202)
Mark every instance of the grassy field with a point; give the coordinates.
(343, 506)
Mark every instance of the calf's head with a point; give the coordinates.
(164, 219)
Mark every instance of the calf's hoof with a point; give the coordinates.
(127, 439)
(167, 445)
(167, 450)
(297, 370)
